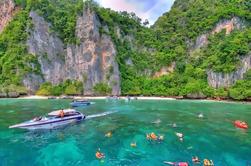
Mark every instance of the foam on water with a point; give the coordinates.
(100, 115)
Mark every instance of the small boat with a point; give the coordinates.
(241, 124)
(79, 103)
(53, 120)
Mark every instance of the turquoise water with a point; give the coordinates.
(213, 137)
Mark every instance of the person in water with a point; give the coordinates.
(200, 115)
(196, 160)
(109, 134)
(133, 144)
(152, 136)
(174, 125)
(99, 155)
(180, 136)
(207, 162)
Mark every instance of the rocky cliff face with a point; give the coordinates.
(48, 48)
(165, 70)
(227, 24)
(91, 61)
(7, 10)
(217, 80)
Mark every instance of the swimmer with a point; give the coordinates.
(109, 134)
(196, 159)
(200, 115)
(174, 125)
(153, 136)
(100, 155)
(148, 136)
(161, 137)
(133, 144)
(207, 162)
(180, 136)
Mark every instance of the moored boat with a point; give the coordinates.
(53, 120)
(79, 103)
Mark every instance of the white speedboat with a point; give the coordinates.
(53, 120)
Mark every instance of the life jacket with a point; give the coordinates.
(153, 136)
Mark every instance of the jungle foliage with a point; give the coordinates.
(68, 87)
(142, 51)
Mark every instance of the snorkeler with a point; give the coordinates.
(161, 137)
(109, 134)
(180, 136)
(200, 115)
(196, 160)
(154, 137)
(207, 162)
(100, 155)
(151, 136)
(133, 144)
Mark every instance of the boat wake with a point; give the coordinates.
(100, 115)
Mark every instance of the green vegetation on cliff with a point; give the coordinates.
(61, 13)
(15, 62)
(170, 39)
(142, 51)
(67, 87)
(102, 89)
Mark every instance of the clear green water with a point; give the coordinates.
(214, 137)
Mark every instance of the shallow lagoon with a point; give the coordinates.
(213, 137)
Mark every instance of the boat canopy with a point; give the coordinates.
(57, 112)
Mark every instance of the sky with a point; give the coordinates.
(145, 9)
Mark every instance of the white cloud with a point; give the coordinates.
(145, 9)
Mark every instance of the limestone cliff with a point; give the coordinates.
(7, 10)
(92, 60)
(226, 24)
(215, 79)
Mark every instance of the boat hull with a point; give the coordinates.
(50, 124)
